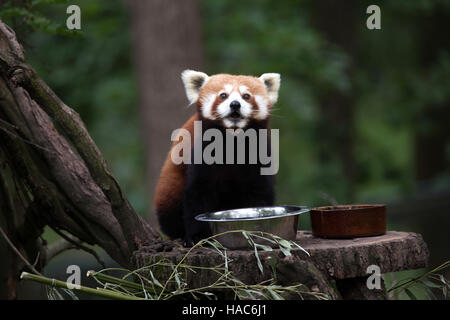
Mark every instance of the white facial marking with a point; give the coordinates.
(235, 124)
(207, 106)
(228, 123)
(228, 88)
(241, 124)
(224, 108)
(243, 89)
(263, 111)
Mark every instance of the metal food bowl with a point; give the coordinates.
(279, 220)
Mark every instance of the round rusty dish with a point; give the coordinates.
(349, 221)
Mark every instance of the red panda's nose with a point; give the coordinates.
(235, 105)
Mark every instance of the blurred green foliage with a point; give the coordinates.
(257, 36)
(93, 74)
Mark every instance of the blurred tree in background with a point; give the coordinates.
(363, 114)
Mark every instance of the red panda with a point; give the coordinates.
(183, 191)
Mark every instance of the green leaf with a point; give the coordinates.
(272, 264)
(263, 247)
(209, 295)
(430, 293)
(300, 247)
(430, 284)
(258, 261)
(286, 252)
(442, 279)
(226, 260)
(275, 295)
(177, 280)
(214, 247)
(264, 238)
(285, 243)
(154, 280)
(410, 294)
(218, 244)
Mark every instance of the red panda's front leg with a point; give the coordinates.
(168, 199)
(196, 200)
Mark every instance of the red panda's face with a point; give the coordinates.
(232, 100)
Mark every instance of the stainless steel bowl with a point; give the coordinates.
(279, 220)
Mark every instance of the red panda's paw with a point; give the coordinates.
(188, 242)
(191, 240)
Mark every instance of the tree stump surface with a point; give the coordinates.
(349, 258)
(343, 260)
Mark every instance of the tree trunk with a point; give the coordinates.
(431, 130)
(336, 21)
(167, 40)
(52, 173)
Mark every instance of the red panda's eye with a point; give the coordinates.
(223, 96)
(245, 96)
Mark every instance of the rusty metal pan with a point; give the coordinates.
(348, 221)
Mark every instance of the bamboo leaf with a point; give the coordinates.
(430, 284)
(264, 238)
(226, 261)
(286, 251)
(177, 280)
(258, 261)
(430, 293)
(214, 246)
(154, 280)
(300, 247)
(263, 247)
(275, 295)
(285, 243)
(410, 294)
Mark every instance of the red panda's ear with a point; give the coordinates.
(272, 83)
(193, 81)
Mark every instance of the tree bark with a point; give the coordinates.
(51, 171)
(166, 41)
(431, 129)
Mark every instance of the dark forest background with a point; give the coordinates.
(363, 114)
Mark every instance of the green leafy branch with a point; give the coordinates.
(143, 283)
(430, 280)
(28, 14)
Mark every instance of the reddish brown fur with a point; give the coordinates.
(172, 179)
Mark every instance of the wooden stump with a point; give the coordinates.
(343, 261)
